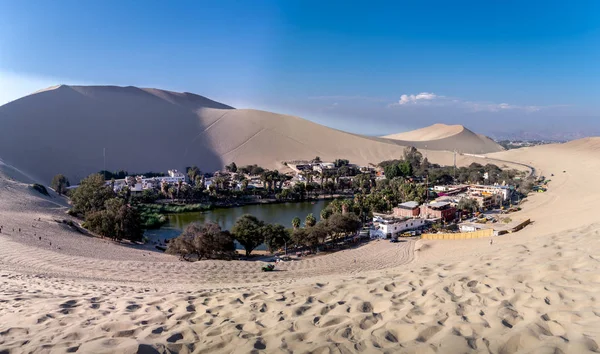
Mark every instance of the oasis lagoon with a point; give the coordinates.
(279, 213)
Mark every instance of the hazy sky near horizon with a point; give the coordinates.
(366, 67)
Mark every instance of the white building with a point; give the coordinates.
(139, 183)
(387, 228)
(467, 227)
(504, 191)
(323, 166)
(173, 177)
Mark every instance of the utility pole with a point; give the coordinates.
(104, 154)
(455, 165)
(427, 188)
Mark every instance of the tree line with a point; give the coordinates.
(208, 241)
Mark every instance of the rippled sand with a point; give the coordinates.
(535, 291)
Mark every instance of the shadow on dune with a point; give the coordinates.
(65, 130)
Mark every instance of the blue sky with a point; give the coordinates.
(491, 65)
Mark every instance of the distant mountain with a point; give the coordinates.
(64, 129)
(542, 135)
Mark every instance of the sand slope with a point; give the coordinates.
(447, 137)
(64, 129)
(534, 291)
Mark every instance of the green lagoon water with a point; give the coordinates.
(272, 213)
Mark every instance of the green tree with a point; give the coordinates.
(193, 174)
(256, 170)
(232, 167)
(60, 184)
(468, 205)
(362, 182)
(347, 205)
(247, 231)
(391, 171)
(335, 206)
(340, 162)
(329, 187)
(326, 213)
(413, 157)
(316, 234)
(203, 241)
(300, 237)
(173, 192)
(310, 220)
(296, 222)
(275, 236)
(406, 169)
(343, 223)
(300, 189)
(117, 220)
(91, 195)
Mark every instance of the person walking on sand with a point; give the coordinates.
(491, 241)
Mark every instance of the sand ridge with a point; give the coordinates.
(447, 137)
(141, 129)
(432, 132)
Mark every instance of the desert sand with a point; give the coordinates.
(534, 291)
(67, 129)
(447, 137)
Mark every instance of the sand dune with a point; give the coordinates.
(432, 132)
(64, 129)
(534, 291)
(447, 137)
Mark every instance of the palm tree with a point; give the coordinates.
(179, 184)
(193, 172)
(218, 182)
(346, 205)
(296, 222)
(172, 192)
(310, 220)
(325, 213)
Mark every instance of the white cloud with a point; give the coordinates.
(429, 99)
(423, 96)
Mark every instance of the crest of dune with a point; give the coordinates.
(73, 130)
(447, 137)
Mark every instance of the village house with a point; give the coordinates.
(407, 210)
(393, 227)
(487, 201)
(320, 167)
(438, 210)
(140, 183)
(504, 191)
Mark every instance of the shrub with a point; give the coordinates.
(41, 189)
(60, 184)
